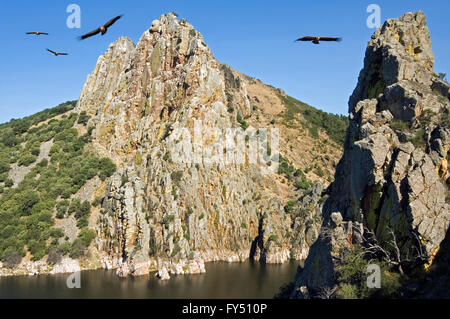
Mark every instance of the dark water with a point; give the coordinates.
(222, 280)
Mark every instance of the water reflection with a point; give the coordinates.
(222, 280)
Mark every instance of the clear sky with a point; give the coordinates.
(254, 37)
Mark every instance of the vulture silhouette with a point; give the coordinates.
(103, 29)
(37, 33)
(56, 53)
(316, 40)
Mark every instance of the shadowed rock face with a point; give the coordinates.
(162, 215)
(390, 176)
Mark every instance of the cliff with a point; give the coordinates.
(169, 159)
(161, 110)
(390, 197)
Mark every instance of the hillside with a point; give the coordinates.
(94, 183)
(44, 165)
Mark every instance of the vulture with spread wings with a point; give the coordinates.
(37, 33)
(316, 40)
(103, 29)
(56, 53)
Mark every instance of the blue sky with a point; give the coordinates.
(254, 37)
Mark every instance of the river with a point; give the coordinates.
(221, 280)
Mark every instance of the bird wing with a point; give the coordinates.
(330, 39)
(112, 21)
(51, 51)
(90, 34)
(307, 38)
(63, 53)
(31, 33)
(43, 33)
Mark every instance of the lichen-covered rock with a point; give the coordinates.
(394, 169)
(160, 213)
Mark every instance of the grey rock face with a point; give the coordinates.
(390, 177)
(160, 214)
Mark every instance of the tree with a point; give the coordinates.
(12, 259)
(28, 200)
(55, 256)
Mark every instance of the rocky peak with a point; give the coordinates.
(163, 215)
(399, 63)
(392, 180)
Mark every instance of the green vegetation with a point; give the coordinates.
(290, 206)
(83, 118)
(352, 277)
(399, 125)
(319, 171)
(292, 174)
(176, 176)
(418, 139)
(26, 212)
(334, 125)
(241, 121)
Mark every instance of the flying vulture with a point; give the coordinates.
(316, 40)
(56, 53)
(38, 33)
(103, 29)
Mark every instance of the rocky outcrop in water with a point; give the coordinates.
(393, 176)
(166, 215)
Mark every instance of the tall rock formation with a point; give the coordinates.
(393, 176)
(160, 214)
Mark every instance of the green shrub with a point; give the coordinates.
(107, 168)
(83, 210)
(319, 171)
(75, 206)
(399, 125)
(347, 291)
(4, 167)
(168, 219)
(352, 277)
(43, 163)
(86, 236)
(302, 183)
(83, 118)
(241, 121)
(418, 139)
(27, 160)
(9, 183)
(82, 222)
(77, 249)
(176, 176)
(56, 233)
(290, 206)
(97, 201)
(55, 256)
(61, 208)
(11, 259)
